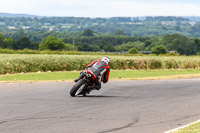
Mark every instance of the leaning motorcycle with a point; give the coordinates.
(81, 87)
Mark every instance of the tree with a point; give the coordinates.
(108, 48)
(159, 50)
(70, 47)
(19, 33)
(180, 43)
(119, 32)
(8, 43)
(153, 42)
(51, 43)
(132, 51)
(34, 45)
(126, 46)
(88, 32)
(147, 43)
(197, 44)
(85, 47)
(21, 43)
(1, 40)
(96, 48)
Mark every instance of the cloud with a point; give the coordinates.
(102, 8)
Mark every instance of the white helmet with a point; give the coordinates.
(106, 59)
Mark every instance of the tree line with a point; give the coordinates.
(88, 40)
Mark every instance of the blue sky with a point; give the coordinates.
(102, 8)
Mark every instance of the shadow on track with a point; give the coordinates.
(97, 96)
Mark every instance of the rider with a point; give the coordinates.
(100, 69)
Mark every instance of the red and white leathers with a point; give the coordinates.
(99, 68)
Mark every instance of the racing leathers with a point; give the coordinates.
(100, 70)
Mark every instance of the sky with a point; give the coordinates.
(102, 8)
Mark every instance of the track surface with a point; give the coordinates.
(152, 106)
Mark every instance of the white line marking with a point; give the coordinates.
(182, 127)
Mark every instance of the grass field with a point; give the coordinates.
(194, 128)
(122, 67)
(17, 63)
(114, 75)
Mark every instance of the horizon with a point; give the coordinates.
(102, 9)
(21, 14)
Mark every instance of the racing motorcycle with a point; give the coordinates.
(81, 87)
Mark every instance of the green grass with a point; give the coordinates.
(40, 76)
(114, 74)
(194, 128)
(134, 74)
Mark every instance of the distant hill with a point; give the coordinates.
(132, 26)
(193, 18)
(17, 15)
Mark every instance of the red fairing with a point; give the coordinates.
(106, 75)
(93, 76)
(92, 63)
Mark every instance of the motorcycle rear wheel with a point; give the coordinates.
(77, 88)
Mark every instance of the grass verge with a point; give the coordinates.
(114, 75)
(194, 128)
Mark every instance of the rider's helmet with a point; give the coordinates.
(106, 59)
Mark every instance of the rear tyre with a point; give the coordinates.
(77, 87)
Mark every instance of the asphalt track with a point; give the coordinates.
(152, 106)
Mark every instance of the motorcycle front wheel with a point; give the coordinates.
(78, 88)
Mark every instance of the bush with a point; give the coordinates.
(132, 51)
(171, 64)
(159, 50)
(154, 64)
(51, 43)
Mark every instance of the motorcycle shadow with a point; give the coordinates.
(98, 96)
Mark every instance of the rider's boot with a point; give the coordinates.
(89, 89)
(96, 86)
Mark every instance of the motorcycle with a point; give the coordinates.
(81, 87)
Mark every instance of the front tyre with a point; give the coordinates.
(77, 88)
